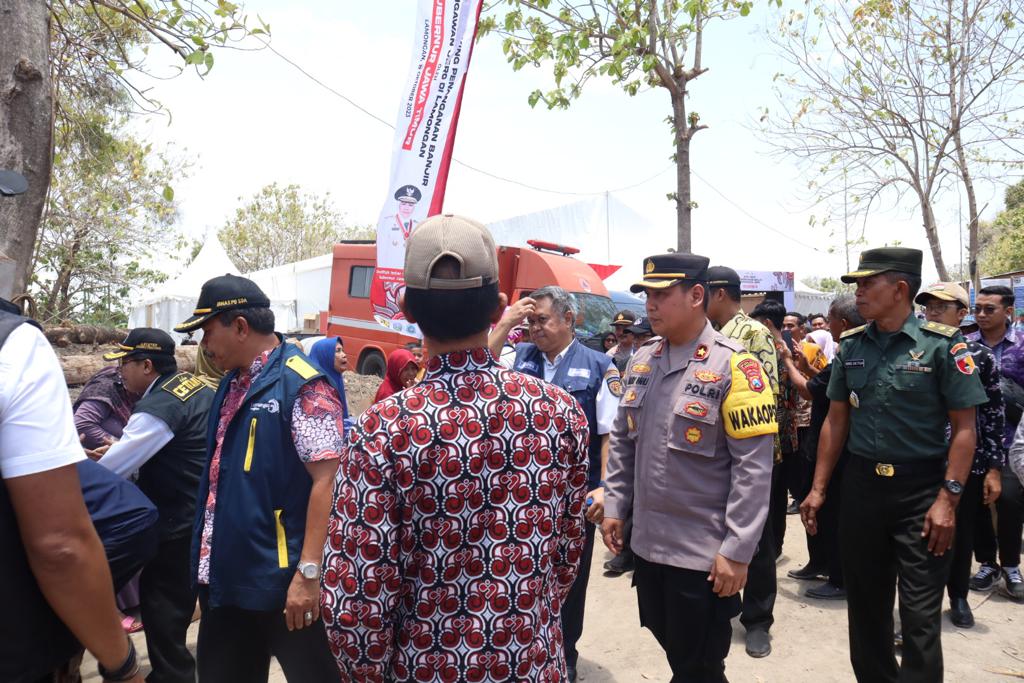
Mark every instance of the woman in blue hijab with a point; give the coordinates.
(329, 356)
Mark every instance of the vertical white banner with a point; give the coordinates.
(424, 137)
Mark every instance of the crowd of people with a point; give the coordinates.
(447, 532)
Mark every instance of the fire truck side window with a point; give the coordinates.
(359, 282)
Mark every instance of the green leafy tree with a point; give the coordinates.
(657, 43)
(280, 225)
(48, 51)
(832, 285)
(1004, 250)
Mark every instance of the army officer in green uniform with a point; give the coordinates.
(897, 381)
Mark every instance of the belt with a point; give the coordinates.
(899, 469)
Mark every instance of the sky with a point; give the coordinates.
(256, 119)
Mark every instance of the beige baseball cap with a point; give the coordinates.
(944, 291)
(458, 237)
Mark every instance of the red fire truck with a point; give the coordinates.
(521, 271)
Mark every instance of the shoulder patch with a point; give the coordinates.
(728, 343)
(301, 367)
(748, 409)
(852, 331)
(614, 381)
(183, 386)
(939, 328)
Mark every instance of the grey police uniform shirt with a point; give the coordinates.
(691, 452)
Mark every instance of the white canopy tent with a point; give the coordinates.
(306, 284)
(173, 301)
(605, 230)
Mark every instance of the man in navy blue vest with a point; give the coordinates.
(275, 433)
(590, 377)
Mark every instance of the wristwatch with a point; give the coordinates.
(953, 486)
(309, 570)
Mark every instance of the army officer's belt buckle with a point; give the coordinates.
(885, 470)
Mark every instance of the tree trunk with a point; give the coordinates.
(26, 127)
(932, 232)
(78, 369)
(684, 207)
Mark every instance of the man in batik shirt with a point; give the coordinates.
(458, 515)
(947, 303)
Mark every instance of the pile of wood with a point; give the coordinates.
(81, 349)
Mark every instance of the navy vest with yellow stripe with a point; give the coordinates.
(262, 489)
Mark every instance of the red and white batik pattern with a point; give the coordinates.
(457, 528)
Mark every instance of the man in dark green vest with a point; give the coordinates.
(165, 442)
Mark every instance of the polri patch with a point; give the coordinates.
(639, 369)
(696, 408)
(707, 376)
(694, 435)
(751, 369)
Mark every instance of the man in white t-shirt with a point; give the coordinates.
(54, 577)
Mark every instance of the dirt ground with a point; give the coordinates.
(809, 637)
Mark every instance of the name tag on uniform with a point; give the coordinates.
(854, 363)
(913, 367)
(579, 372)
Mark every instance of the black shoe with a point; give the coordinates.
(827, 591)
(571, 671)
(620, 564)
(759, 644)
(960, 613)
(806, 573)
(986, 578)
(793, 509)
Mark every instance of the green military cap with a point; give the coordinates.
(875, 261)
(665, 270)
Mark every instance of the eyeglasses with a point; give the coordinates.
(988, 310)
(938, 306)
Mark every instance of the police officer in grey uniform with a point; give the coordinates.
(691, 456)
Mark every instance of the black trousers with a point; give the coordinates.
(576, 602)
(1008, 527)
(759, 594)
(237, 644)
(689, 621)
(880, 525)
(824, 547)
(777, 504)
(967, 512)
(126, 559)
(167, 602)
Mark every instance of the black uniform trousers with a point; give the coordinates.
(759, 594)
(167, 601)
(777, 504)
(824, 547)
(967, 512)
(1008, 527)
(576, 602)
(880, 525)
(127, 558)
(690, 622)
(236, 645)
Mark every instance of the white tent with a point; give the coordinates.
(810, 300)
(173, 301)
(605, 230)
(307, 284)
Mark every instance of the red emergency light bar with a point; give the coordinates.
(551, 246)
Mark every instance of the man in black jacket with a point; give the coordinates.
(165, 440)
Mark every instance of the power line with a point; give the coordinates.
(753, 217)
(470, 167)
